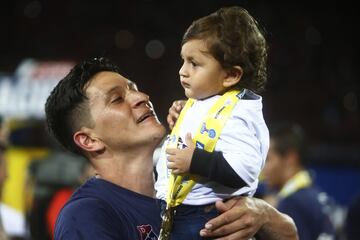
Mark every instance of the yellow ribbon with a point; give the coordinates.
(300, 180)
(205, 138)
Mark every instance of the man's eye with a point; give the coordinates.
(116, 100)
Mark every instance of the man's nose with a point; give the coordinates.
(137, 98)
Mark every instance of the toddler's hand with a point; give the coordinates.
(174, 112)
(179, 160)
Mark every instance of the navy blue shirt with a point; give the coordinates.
(102, 210)
(310, 209)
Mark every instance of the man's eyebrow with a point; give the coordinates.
(112, 90)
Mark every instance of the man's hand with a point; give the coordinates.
(179, 160)
(241, 218)
(174, 112)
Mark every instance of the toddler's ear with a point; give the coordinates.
(233, 76)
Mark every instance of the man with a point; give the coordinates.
(96, 112)
(351, 228)
(296, 196)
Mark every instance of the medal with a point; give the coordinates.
(166, 225)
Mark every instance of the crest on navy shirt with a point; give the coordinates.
(146, 232)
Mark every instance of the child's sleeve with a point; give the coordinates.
(214, 166)
(240, 151)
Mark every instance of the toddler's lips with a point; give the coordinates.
(185, 85)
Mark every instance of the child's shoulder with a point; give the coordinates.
(247, 94)
(249, 101)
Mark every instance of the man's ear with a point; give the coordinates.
(86, 142)
(233, 76)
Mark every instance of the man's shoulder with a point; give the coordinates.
(82, 202)
(118, 215)
(86, 218)
(307, 199)
(83, 207)
(310, 211)
(299, 196)
(88, 196)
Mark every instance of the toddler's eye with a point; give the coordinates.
(194, 64)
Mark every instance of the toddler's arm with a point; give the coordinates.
(174, 112)
(240, 162)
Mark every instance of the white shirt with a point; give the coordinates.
(244, 142)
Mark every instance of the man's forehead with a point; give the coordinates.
(106, 81)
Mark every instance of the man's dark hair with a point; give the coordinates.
(288, 136)
(234, 38)
(67, 108)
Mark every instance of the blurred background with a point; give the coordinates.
(313, 80)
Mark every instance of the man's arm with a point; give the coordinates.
(245, 217)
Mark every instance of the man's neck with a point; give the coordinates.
(130, 171)
(291, 172)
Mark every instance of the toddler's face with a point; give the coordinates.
(201, 75)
